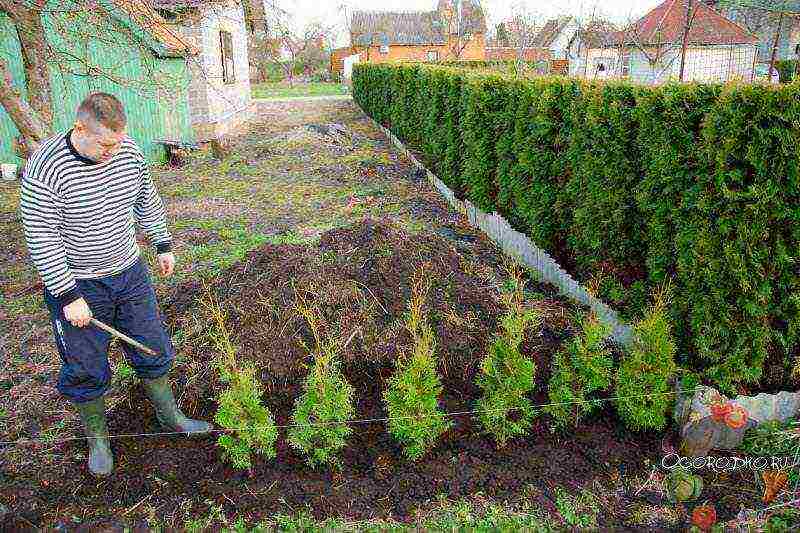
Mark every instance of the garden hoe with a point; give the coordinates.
(123, 337)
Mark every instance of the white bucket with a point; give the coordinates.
(9, 172)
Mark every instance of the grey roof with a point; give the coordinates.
(599, 34)
(788, 6)
(550, 31)
(414, 27)
(383, 28)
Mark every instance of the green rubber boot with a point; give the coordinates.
(93, 416)
(169, 416)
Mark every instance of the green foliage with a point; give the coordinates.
(695, 185)
(773, 439)
(535, 190)
(240, 409)
(577, 511)
(485, 101)
(605, 165)
(788, 69)
(507, 376)
(643, 392)
(580, 369)
(412, 398)
(737, 252)
(321, 414)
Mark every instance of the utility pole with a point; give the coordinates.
(458, 29)
(777, 42)
(684, 46)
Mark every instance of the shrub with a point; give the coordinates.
(535, 190)
(507, 376)
(788, 69)
(691, 184)
(252, 427)
(584, 366)
(605, 224)
(321, 414)
(412, 399)
(643, 392)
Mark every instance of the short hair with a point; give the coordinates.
(103, 108)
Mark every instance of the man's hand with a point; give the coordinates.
(78, 313)
(166, 263)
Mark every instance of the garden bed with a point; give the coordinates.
(249, 227)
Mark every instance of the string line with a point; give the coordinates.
(331, 423)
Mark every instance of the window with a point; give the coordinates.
(626, 64)
(384, 49)
(603, 65)
(226, 49)
(433, 55)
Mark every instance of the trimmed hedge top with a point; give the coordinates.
(693, 185)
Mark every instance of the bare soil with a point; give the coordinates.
(358, 274)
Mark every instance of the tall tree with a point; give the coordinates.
(33, 115)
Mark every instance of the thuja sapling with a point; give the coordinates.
(320, 418)
(241, 410)
(579, 369)
(412, 399)
(643, 391)
(506, 375)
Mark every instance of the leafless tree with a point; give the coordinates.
(522, 30)
(459, 29)
(293, 50)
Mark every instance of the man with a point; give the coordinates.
(82, 192)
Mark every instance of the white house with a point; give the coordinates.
(650, 50)
(591, 47)
(556, 36)
(220, 100)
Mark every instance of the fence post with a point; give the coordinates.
(775, 46)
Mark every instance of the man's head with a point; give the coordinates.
(100, 126)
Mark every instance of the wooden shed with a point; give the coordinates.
(126, 51)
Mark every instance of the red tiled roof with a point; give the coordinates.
(666, 24)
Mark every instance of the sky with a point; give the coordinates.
(333, 12)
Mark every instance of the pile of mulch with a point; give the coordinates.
(359, 279)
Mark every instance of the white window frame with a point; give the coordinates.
(607, 61)
(626, 64)
(433, 55)
(384, 49)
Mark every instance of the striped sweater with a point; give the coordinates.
(79, 215)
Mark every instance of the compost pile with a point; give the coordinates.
(359, 279)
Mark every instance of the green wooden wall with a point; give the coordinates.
(153, 88)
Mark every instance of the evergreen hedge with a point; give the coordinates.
(698, 185)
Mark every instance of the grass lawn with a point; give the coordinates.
(298, 90)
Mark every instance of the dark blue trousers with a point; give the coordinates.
(127, 302)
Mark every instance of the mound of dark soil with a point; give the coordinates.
(359, 278)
